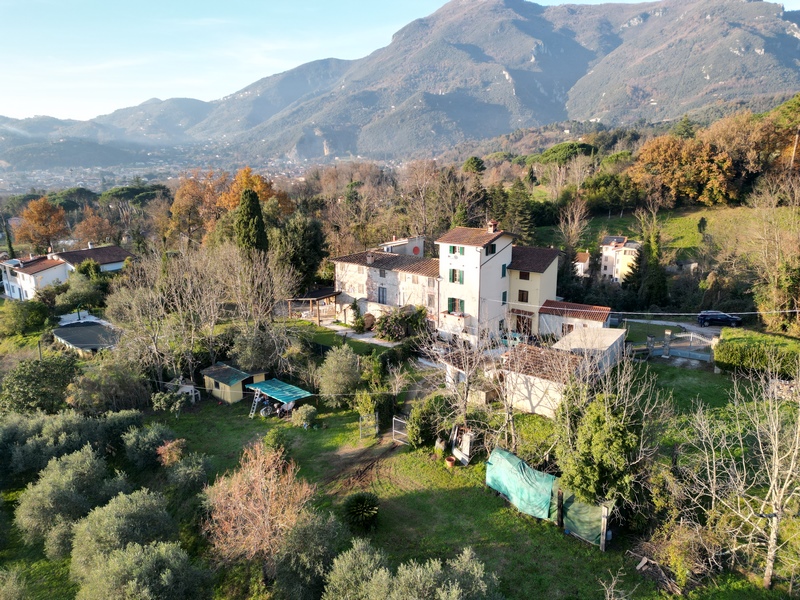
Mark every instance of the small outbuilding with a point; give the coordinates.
(87, 338)
(229, 383)
(603, 346)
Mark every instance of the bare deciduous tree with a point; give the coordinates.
(744, 469)
(253, 508)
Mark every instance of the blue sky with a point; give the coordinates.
(82, 58)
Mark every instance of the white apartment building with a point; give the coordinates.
(617, 257)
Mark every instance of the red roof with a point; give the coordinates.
(37, 265)
(471, 236)
(544, 363)
(586, 312)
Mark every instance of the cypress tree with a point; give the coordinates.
(11, 253)
(249, 229)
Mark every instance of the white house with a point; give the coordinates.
(604, 347)
(617, 257)
(473, 266)
(560, 318)
(535, 378)
(22, 278)
(582, 264)
(532, 278)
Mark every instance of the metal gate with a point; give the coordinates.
(368, 425)
(399, 430)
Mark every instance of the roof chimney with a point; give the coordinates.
(370, 258)
(491, 227)
(91, 245)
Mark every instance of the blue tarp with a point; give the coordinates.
(526, 488)
(281, 391)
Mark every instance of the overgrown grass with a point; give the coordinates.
(690, 384)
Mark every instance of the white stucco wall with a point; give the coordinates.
(533, 395)
(553, 324)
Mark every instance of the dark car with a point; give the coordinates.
(714, 317)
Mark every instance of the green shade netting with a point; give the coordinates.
(526, 488)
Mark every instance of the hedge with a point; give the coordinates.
(752, 352)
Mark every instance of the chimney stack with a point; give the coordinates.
(370, 258)
(91, 245)
(491, 227)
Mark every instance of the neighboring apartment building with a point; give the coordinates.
(473, 269)
(617, 257)
(582, 264)
(532, 280)
(22, 278)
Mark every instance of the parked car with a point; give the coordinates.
(715, 317)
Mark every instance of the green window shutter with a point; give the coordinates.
(503, 271)
(461, 250)
(451, 304)
(461, 277)
(505, 298)
(461, 306)
(452, 249)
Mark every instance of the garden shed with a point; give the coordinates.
(228, 383)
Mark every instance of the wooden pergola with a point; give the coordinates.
(314, 297)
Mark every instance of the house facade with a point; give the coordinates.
(473, 268)
(562, 318)
(582, 264)
(617, 257)
(532, 278)
(22, 278)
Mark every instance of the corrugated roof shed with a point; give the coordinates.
(225, 374)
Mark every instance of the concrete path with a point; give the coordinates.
(367, 336)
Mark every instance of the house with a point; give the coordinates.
(604, 347)
(535, 378)
(23, 277)
(532, 278)
(582, 260)
(617, 257)
(561, 318)
(110, 258)
(382, 281)
(228, 383)
(473, 267)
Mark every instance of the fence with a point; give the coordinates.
(399, 430)
(368, 425)
(680, 345)
(541, 495)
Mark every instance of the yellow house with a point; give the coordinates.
(228, 383)
(532, 276)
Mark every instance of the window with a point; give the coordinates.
(491, 249)
(431, 301)
(455, 305)
(566, 328)
(502, 270)
(502, 325)
(457, 250)
(430, 281)
(382, 272)
(216, 385)
(456, 276)
(381, 295)
(523, 296)
(524, 275)
(414, 279)
(453, 249)
(504, 298)
(360, 270)
(461, 250)
(605, 267)
(361, 288)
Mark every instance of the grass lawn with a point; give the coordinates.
(638, 332)
(689, 384)
(328, 337)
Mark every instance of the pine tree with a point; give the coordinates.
(250, 232)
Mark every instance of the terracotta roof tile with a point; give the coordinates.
(582, 257)
(532, 260)
(575, 311)
(544, 363)
(37, 265)
(471, 236)
(386, 260)
(427, 267)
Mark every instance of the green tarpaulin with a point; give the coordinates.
(526, 488)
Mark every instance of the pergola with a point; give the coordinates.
(314, 297)
(276, 389)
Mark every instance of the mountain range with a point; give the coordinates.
(472, 70)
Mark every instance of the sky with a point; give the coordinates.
(77, 59)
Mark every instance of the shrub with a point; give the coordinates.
(275, 439)
(401, 323)
(423, 422)
(83, 292)
(189, 474)
(161, 570)
(142, 443)
(66, 490)
(748, 351)
(535, 438)
(361, 511)
(306, 555)
(17, 318)
(109, 384)
(170, 452)
(137, 518)
(169, 401)
(38, 384)
(353, 570)
(304, 416)
(12, 586)
(339, 375)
